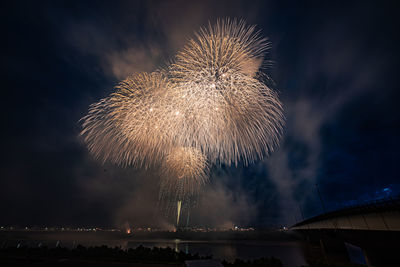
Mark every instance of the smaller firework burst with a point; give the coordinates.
(184, 171)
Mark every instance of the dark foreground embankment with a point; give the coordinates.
(105, 256)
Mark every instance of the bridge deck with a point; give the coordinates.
(383, 215)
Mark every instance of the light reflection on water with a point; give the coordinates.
(289, 252)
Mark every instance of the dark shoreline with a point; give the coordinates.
(182, 235)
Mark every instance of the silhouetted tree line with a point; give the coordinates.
(139, 254)
(322, 263)
(262, 262)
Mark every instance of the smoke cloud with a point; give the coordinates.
(294, 165)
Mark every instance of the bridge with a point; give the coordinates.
(379, 215)
(368, 233)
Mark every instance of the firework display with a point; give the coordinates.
(184, 170)
(130, 127)
(209, 106)
(227, 112)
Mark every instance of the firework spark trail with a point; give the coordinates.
(179, 204)
(211, 105)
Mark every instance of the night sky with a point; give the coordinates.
(335, 68)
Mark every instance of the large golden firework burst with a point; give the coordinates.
(210, 105)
